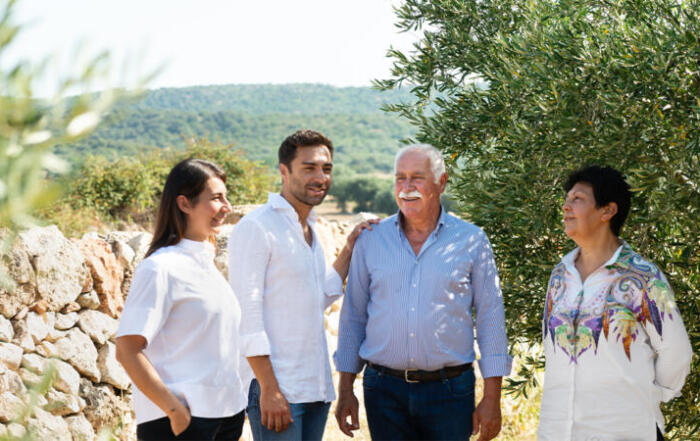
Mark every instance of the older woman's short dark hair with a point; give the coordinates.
(609, 185)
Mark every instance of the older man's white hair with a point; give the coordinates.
(437, 163)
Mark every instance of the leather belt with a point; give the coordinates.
(418, 376)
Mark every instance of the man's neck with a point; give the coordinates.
(301, 208)
(421, 224)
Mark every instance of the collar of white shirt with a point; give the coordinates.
(204, 252)
(569, 260)
(279, 203)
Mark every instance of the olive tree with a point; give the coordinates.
(519, 93)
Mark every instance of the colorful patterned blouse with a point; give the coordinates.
(615, 347)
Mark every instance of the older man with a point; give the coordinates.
(407, 317)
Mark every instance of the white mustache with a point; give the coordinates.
(410, 194)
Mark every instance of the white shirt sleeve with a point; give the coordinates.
(668, 337)
(333, 286)
(148, 303)
(248, 257)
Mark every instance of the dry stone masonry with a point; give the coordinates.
(59, 314)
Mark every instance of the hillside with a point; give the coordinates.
(255, 118)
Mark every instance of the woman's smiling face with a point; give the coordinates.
(207, 214)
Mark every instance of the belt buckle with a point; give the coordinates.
(405, 376)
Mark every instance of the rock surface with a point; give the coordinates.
(10, 355)
(111, 370)
(77, 349)
(106, 273)
(58, 263)
(45, 426)
(16, 263)
(80, 428)
(98, 325)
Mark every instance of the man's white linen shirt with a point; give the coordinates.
(181, 304)
(615, 347)
(283, 287)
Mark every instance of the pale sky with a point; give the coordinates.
(338, 42)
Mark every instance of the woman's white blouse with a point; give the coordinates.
(615, 348)
(189, 315)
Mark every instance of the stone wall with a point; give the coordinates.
(60, 315)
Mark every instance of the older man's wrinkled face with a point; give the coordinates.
(416, 192)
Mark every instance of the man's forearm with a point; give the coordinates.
(492, 387)
(262, 368)
(345, 382)
(342, 263)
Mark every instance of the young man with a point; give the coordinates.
(277, 270)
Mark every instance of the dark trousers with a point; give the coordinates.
(200, 429)
(436, 410)
(659, 435)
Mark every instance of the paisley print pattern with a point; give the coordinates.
(635, 295)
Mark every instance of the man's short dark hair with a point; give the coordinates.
(301, 138)
(609, 185)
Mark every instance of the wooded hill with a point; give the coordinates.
(255, 118)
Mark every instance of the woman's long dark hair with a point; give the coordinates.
(187, 178)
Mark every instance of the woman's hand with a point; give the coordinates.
(146, 379)
(180, 418)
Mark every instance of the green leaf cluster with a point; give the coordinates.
(367, 193)
(524, 92)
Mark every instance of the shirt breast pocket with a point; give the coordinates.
(457, 289)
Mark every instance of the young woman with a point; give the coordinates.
(614, 341)
(178, 333)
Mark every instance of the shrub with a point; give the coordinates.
(128, 189)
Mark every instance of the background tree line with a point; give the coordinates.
(256, 118)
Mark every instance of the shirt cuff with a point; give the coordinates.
(333, 284)
(255, 344)
(495, 365)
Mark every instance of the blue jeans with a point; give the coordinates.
(309, 419)
(436, 410)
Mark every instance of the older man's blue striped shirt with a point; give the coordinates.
(416, 312)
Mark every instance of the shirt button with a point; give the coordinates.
(412, 308)
(414, 285)
(412, 360)
(412, 334)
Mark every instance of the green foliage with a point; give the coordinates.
(29, 127)
(264, 99)
(128, 189)
(256, 118)
(369, 194)
(563, 84)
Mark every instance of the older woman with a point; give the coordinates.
(614, 340)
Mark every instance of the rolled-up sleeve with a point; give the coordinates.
(668, 337)
(248, 257)
(333, 286)
(490, 317)
(148, 302)
(353, 315)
